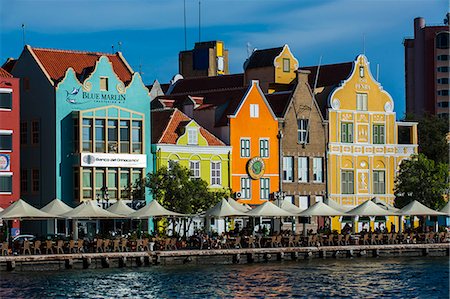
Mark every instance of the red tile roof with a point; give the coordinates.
(56, 62)
(193, 86)
(4, 73)
(166, 125)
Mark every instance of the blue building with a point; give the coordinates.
(85, 127)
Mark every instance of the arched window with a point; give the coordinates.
(442, 40)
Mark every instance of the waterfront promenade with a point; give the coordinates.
(239, 255)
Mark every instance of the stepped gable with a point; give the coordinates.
(279, 101)
(262, 58)
(330, 76)
(205, 84)
(167, 125)
(4, 73)
(56, 62)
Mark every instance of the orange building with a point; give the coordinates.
(242, 118)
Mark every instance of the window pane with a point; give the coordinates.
(6, 183)
(100, 135)
(124, 136)
(6, 100)
(6, 142)
(112, 136)
(87, 135)
(137, 137)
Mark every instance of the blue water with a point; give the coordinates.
(350, 278)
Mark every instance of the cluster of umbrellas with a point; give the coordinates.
(225, 208)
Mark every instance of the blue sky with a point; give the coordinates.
(152, 32)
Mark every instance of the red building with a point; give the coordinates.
(9, 139)
(427, 69)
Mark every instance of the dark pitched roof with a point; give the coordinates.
(4, 73)
(9, 64)
(56, 62)
(206, 84)
(279, 101)
(166, 125)
(262, 58)
(329, 74)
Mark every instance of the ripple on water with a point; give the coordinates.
(351, 278)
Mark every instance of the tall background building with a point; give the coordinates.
(427, 69)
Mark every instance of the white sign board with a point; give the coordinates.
(113, 160)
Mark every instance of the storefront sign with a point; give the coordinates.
(113, 160)
(255, 168)
(76, 96)
(5, 162)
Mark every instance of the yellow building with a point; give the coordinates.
(364, 151)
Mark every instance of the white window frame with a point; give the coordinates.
(246, 188)
(216, 173)
(254, 110)
(192, 136)
(303, 172)
(287, 171)
(361, 101)
(7, 91)
(106, 81)
(264, 147)
(264, 188)
(317, 169)
(318, 198)
(377, 183)
(245, 151)
(303, 201)
(302, 130)
(194, 167)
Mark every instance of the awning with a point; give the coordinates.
(238, 206)
(333, 204)
(287, 205)
(369, 208)
(446, 209)
(224, 209)
(320, 209)
(121, 208)
(415, 208)
(268, 209)
(22, 210)
(90, 210)
(56, 207)
(154, 209)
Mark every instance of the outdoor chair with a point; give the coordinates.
(26, 247)
(389, 238)
(291, 241)
(394, 239)
(99, 245)
(310, 241)
(59, 246)
(72, 246)
(145, 244)
(37, 247)
(278, 240)
(237, 242)
(429, 238)
(173, 243)
(123, 245)
(440, 237)
(116, 245)
(297, 240)
(5, 248)
(106, 244)
(380, 239)
(166, 243)
(315, 240)
(273, 241)
(365, 240)
(80, 246)
(48, 246)
(347, 239)
(412, 238)
(330, 240)
(251, 242)
(138, 244)
(373, 239)
(340, 242)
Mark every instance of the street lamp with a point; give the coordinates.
(104, 198)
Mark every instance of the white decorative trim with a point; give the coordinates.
(173, 149)
(6, 90)
(6, 132)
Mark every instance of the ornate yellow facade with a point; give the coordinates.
(363, 149)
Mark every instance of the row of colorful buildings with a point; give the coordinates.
(84, 126)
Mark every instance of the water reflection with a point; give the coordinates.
(358, 278)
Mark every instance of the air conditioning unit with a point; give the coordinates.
(238, 194)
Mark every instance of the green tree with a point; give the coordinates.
(432, 133)
(421, 179)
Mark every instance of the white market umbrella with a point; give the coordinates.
(268, 209)
(121, 208)
(153, 209)
(56, 207)
(90, 210)
(287, 205)
(384, 205)
(369, 208)
(223, 209)
(320, 209)
(238, 206)
(415, 208)
(333, 204)
(446, 209)
(22, 210)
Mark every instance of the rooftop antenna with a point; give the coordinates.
(249, 49)
(23, 34)
(364, 44)
(199, 21)
(112, 49)
(378, 71)
(119, 46)
(185, 34)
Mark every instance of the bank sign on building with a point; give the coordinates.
(97, 126)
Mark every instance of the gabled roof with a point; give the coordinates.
(262, 58)
(56, 62)
(167, 124)
(4, 73)
(9, 64)
(279, 101)
(330, 76)
(205, 84)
